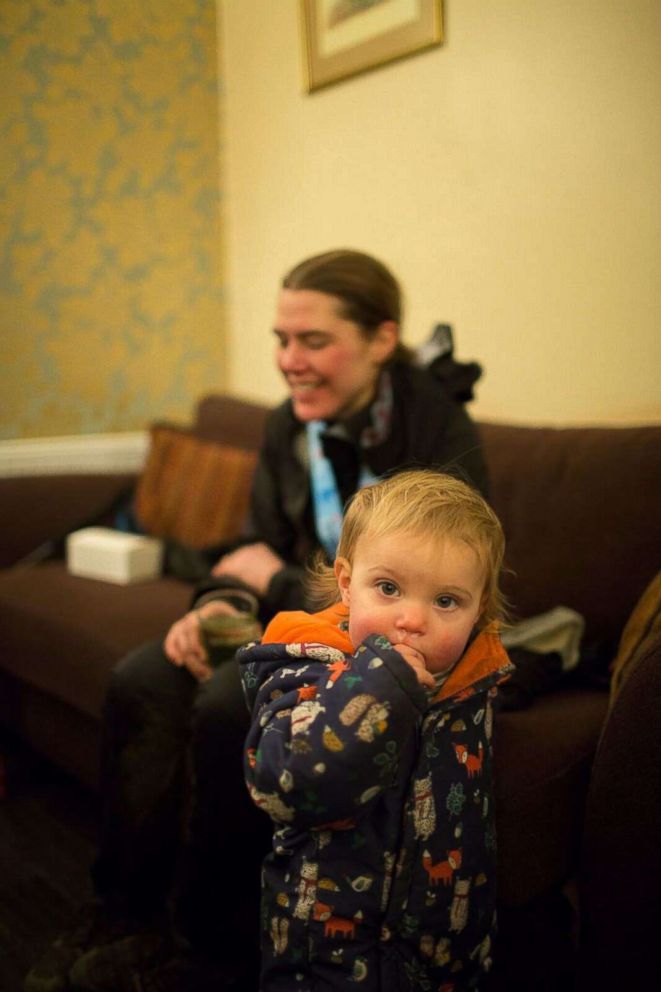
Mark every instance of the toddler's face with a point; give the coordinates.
(424, 593)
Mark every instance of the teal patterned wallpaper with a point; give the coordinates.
(111, 250)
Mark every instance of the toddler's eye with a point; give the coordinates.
(387, 588)
(447, 602)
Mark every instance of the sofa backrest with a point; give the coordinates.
(230, 421)
(581, 510)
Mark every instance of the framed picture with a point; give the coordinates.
(344, 37)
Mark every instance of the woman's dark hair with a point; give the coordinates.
(367, 290)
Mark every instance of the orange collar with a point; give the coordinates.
(484, 656)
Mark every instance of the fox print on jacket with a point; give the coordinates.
(382, 871)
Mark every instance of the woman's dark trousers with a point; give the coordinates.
(179, 828)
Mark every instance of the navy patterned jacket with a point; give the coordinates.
(382, 872)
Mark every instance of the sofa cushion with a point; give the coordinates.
(63, 634)
(542, 760)
(193, 491)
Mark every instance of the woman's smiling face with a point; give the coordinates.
(329, 364)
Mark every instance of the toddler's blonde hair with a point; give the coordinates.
(421, 502)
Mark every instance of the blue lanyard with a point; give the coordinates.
(325, 494)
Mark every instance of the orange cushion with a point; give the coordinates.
(192, 491)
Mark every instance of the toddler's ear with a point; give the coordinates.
(342, 569)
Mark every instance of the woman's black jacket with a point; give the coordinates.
(428, 428)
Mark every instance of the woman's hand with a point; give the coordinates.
(254, 564)
(417, 663)
(183, 642)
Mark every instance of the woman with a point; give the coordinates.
(358, 408)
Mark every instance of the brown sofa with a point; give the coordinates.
(582, 515)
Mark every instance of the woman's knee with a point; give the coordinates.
(147, 676)
(219, 711)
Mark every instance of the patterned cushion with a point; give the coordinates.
(192, 491)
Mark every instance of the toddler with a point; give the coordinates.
(369, 748)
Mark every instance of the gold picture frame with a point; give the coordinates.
(342, 38)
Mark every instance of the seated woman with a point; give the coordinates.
(177, 875)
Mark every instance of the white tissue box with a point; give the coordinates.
(111, 555)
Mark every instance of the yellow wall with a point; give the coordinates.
(110, 289)
(510, 177)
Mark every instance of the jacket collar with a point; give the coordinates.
(484, 663)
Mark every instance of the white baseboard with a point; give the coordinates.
(89, 453)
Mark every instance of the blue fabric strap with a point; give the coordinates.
(325, 494)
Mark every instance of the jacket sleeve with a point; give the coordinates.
(431, 429)
(326, 736)
(268, 522)
(461, 450)
(286, 591)
(267, 519)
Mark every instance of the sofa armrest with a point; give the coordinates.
(38, 511)
(621, 861)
